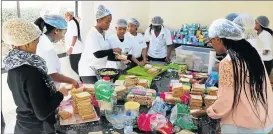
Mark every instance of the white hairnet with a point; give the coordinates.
(102, 12)
(134, 21)
(247, 23)
(231, 16)
(70, 11)
(157, 21)
(263, 21)
(121, 23)
(224, 28)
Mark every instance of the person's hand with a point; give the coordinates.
(70, 51)
(117, 50)
(142, 63)
(167, 59)
(75, 84)
(64, 91)
(125, 62)
(199, 113)
(216, 67)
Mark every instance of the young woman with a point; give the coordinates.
(120, 40)
(247, 24)
(73, 41)
(33, 90)
(231, 16)
(139, 50)
(265, 35)
(245, 96)
(55, 29)
(96, 49)
(159, 42)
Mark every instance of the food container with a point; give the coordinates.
(113, 77)
(131, 105)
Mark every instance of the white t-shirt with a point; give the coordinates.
(125, 46)
(267, 44)
(89, 63)
(45, 49)
(138, 45)
(72, 31)
(158, 45)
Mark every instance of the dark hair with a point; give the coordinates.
(41, 24)
(268, 30)
(243, 54)
(78, 27)
(151, 27)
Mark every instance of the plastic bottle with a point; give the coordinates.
(128, 127)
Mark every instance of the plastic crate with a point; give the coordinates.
(196, 58)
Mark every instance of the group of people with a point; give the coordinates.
(245, 96)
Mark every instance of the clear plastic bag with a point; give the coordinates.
(158, 106)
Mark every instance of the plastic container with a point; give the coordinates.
(116, 116)
(132, 106)
(196, 58)
(128, 124)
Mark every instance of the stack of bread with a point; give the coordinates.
(143, 83)
(82, 105)
(169, 99)
(198, 89)
(201, 76)
(177, 89)
(120, 92)
(196, 102)
(209, 100)
(130, 81)
(142, 96)
(76, 91)
(212, 91)
(89, 88)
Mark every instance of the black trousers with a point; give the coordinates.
(74, 62)
(89, 79)
(268, 65)
(156, 59)
(31, 128)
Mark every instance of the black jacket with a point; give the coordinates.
(32, 97)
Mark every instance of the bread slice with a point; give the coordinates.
(143, 83)
(119, 82)
(89, 87)
(196, 97)
(65, 115)
(120, 89)
(210, 97)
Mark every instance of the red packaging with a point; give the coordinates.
(167, 129)
(144, 123)
(185, 98)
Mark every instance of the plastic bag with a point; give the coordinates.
(212, 79)
(167, 129)
(185, 122)
(158, 121)
(144, 122)
(104, 91)
(158, 106)
(178, 110)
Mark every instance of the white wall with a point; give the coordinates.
(176, 13)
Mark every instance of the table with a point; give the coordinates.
(204, 124)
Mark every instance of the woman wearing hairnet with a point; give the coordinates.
(231, 16)
(120, 40)
(96, 49)
(245, 96)
(73, 41)
(247, 23)
(159, 42)
(139, 49)
(55, 29)
(262, 24)
(33, 90)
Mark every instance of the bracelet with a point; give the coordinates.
(72, 46)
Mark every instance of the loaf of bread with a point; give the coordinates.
(143, 83)
(212, 91)
(196, 101)
(177, 89)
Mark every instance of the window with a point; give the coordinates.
(31, 10)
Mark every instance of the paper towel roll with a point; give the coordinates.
(212, 57)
